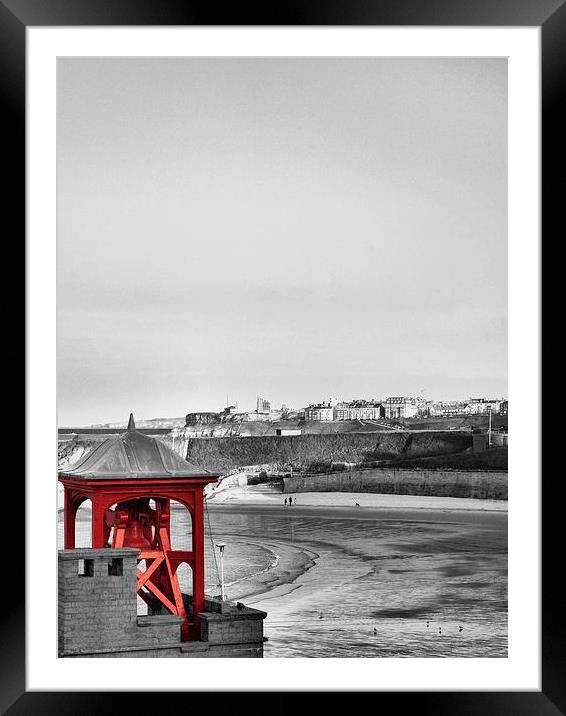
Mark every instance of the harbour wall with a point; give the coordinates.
(479, 484)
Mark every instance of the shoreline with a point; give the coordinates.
(262, 497)
(247, 496)
(278, 579)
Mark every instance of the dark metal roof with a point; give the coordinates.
(133, 455)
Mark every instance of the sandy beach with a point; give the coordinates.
(265, 495)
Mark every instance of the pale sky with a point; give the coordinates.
(290, 228)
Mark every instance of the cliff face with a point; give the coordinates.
(74, 447)
(223, 454)
(202, 419)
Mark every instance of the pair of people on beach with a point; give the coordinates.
(290, 501)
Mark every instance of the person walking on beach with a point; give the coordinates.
(285, 502)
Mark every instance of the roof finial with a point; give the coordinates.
(131, 423)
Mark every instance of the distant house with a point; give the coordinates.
(359, 410)
(478, 406)
(320, 412)
(401, 407)
(424, 408)
(449, 409)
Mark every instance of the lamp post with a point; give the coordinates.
(221, 546)
(489, 430)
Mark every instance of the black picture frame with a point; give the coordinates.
(550, 15)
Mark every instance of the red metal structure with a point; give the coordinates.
(120, 477)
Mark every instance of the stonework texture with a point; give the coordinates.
(98, 615)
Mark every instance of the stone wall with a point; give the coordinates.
(224, 651)
(227, 623)
(189, 650)
(98, 615)
(441, 483)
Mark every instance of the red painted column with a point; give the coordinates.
(69, 517)
(98, 532)
(167, 516)
(198, 554)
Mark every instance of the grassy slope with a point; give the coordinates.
(308, 450)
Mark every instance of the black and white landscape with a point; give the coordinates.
(300, 264)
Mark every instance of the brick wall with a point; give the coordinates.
(232, 624)
(98, 615)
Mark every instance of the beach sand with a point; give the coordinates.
(265, 495)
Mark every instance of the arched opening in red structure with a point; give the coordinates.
(83, 522)
(182, 539)
(185, 578)
(181, 526)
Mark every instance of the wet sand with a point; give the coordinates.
(389, 570)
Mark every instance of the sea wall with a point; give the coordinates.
(223, 454)
(488, 485)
